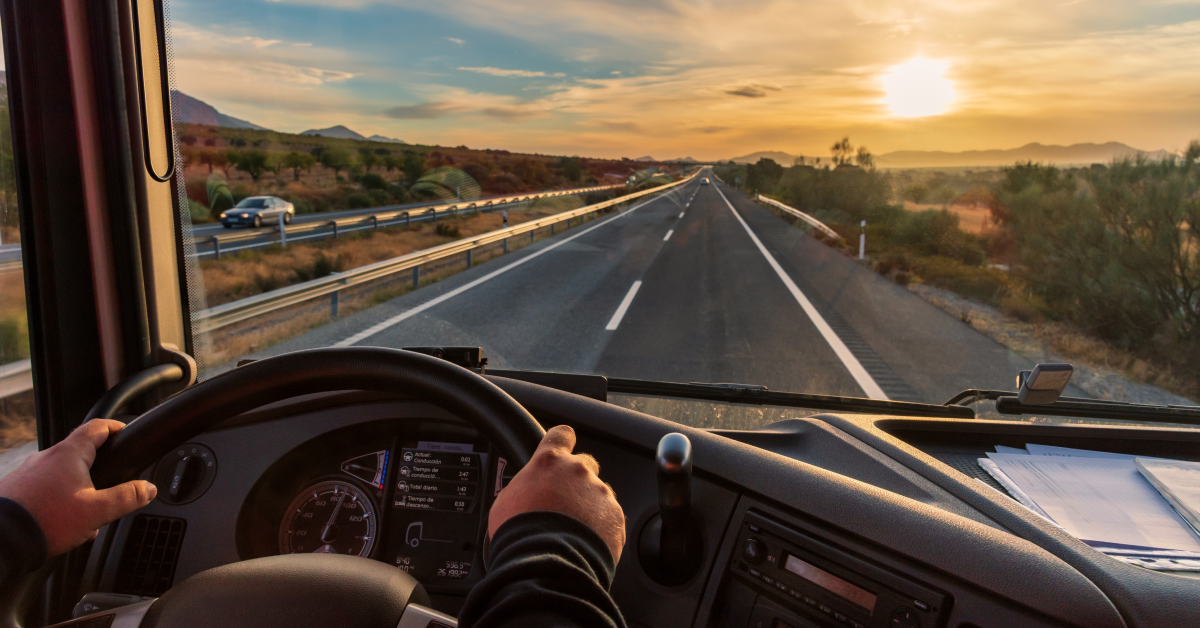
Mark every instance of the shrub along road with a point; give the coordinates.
(678, 290)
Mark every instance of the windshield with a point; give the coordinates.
(880, 201)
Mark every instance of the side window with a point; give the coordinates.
(17, 430)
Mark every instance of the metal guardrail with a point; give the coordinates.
(16, 378)
(385, 215)
(243, 309)
(802, 216)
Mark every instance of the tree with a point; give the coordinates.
(368, 160)
(842, 151)
(298, 161)
(413, 167)
(915, 193)
(336, 160)
(572, 169)
(390, 162)
(865, 159)
(252, 162)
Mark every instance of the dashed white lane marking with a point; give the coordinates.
(615, 321)
(405, 315)
(681, 214)
(860, 374)
(668, 236)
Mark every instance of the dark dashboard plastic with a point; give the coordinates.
(850, 481)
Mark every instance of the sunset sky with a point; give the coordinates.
(710, 80)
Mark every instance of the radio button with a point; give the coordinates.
(921, 605)
(753, 551)
(840, 617)
(904, 618)
(756, 573)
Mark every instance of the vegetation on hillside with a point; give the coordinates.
(1108, 251)
(319, 174)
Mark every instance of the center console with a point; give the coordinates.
(803, 582)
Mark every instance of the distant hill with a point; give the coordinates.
(380, 138)
(336, 131)
(683, 160)
(646, 158)
(196, 111)
(1075, 154)
(780, 157)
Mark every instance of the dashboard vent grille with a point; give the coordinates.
(151, 550)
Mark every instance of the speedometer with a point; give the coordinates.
(328, 518)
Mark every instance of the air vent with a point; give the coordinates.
(151, 551)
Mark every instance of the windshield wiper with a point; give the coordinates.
(759, 395)
(1007, 403)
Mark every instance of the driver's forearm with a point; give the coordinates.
(22, 543)
(545, 569)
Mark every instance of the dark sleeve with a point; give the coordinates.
(22, 543)
(544, 569)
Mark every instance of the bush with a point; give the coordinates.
(373, 182)
(321, 267)
(359, 200)
(448, 230)
(199, 212)
(936, 232)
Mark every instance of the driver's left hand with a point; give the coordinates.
(56, 488)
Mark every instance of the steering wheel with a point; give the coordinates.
(306, 589)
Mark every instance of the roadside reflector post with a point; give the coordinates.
(333, 304)
(216, 247)
(416, 276)
(282, 232)
(862, 240)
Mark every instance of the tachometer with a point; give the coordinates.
(329, 518)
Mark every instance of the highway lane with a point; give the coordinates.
(709, 308)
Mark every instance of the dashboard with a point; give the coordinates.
(829, 521)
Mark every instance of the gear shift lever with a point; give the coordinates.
(670, 545)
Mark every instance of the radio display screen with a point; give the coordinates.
(830, 582)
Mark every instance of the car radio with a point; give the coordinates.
(804, 582)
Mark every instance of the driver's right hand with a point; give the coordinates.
(559, 481)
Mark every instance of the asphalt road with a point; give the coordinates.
(710, 307)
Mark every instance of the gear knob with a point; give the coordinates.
(670, 546)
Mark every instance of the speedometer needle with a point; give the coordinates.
(329, 524)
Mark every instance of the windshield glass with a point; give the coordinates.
(880, 201)
(252, 202)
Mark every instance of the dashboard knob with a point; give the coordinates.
(753, 551)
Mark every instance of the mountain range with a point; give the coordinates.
(345, 133)
(1075, 154)
(196, 111)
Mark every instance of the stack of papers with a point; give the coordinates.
(1145, 511)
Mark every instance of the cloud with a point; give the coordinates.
(455, 40)
(502, 72)
(420, 111)
(709, 130)
(515, 113)
(752, 91)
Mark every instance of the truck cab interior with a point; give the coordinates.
(852, 512)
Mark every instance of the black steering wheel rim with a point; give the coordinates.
(145, 440)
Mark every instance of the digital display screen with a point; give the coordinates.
(830, 582)
(435, 509)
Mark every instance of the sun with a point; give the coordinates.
(918, 88)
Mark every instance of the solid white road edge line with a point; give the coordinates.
(668, 236)
(401, 317)
(860, 374)
(623, 307)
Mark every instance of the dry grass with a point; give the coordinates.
(972, 218)
(248, 273)
(17, 424)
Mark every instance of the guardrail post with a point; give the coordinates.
(434, 210)
(333, 223)
(282, 232)
(552, 229)
(216, 247)
(531, 236)
(416, 277)
(407, 219)
(333, 304)
(468, 258)
(506, 245)
(374, 222)
(862, 240)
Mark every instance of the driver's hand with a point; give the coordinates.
(559, 481)
(56, 488)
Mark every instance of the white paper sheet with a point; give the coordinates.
(1050, 450)
(1001, 449)
(1098, 499)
